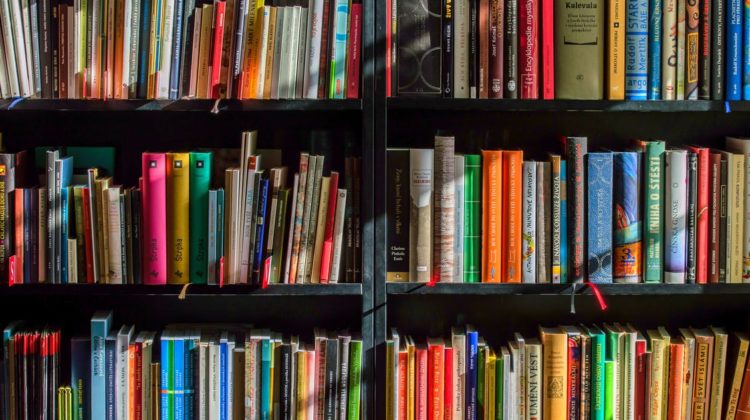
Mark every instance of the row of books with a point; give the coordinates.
(649, 214)
(570, 372)
(174, 228)
(184, 372)
(172, 49)
(591, 49)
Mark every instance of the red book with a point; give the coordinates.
(324, 41)
(701, 250)
(87, 232)
(403, 366)
(528, 48)
(436, 380)
(448, 383)
(218, 29)
(548, 49)
(326, 258)
(19, 236)
(421, 376)
(574, 376)
(714, 213)
(388, 51)
(640, 379)
(355, 51)
(154, 218)
(138, 403)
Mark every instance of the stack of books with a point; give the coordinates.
(547, 49)
(173, 49)
(174, 227)
(573, 372)
(184, 372)
(649, 214)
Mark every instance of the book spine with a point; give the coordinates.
(555, 374)
(510, 67)
(692, 217)
(564, 263)
(627, 253)
(512, 216)
(716, 374)
(704, 49)
(216, 55)
(599, 191)
(616, 42)
(556, 222)
(460, 208)
(325, 49)
(178, 33)
(597, 377)
(7, 185)
(145, 49)
(483, 33)
(154, 220)
(473, 48)
(681, 51)
(338, 237)
(260, 229)
(653, 232)
(723, 213)
(543, 217)
(574, 376)
(200, 179)
(491, 217)
(576, 152)
(327, 250)
(675, 214)
(472, 219)
(497, 50)
(692, 47)
(736, 221)
(528, 235)
(446, 49)
(338, 53)
(669, 51)
(178, 220)
(471, 375)
(420, 221)
(746, 52)
(702, 216)
(528, 44)
(548, 49)
(435, 381)
(654, 49)
(445, 205)
(636, 53)
(734, 50)
(461, 68)
(718, 34)
(115, 275)
(354, 52)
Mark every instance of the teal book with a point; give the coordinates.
(100, 324)
(200, 182)
(355, 376)
(653, 230)
(472, 219)
(167, 377)
(597, 383)
(265, 378)
(179, 375)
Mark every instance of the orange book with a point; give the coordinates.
(492, 215)
(19, 236)
(512, 200)
(436, 379)
(403, 363)
(119, 45)
(743, 404)
(676, 376)
(131, 381)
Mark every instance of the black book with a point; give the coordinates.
(397, 202)
(46, 38)
(110, 355)
(447, 49)
(287, 376)
(348, 257)
(357, 225)
(717, 50)
(474, 49)
(723, 190)
(692, 216)
(511, 49)
(55, 7)
(419, 51)
(238, 43)
(332, 379)
(144, 45)
(344, 364)
(186, 47)
(704, 50)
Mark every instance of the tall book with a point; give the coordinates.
(458, 236)
(7, 185)
(460, 48)
(718, 44)
(714, 216)
(528, 229)
(154, 218)
(717, 377)
(654, 48)
(742, 146)
(528, 45)
(579, 50)
(704, 49)
(669, 50)
(576, 149)
(445, 205)
(178, 218)
(398, 182)
(512, 216)
(418, 21)
(543, 218)
(557, 239)
(492, 227)
(497, 50)
(653, 217)
(100, 325)
(738, 358)
(447, 48)
(692, 49)
(510, 66)
(599, 190)
(675, 215)
(627, 256)
(734, 50)
(554, 371)
(702, 215)
(420, 219)
(200, 181)
(681, 51)
(616, 42)
(473, 190)
(636, 53)
(534, 376)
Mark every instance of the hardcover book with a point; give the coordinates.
(616, 44)
(492, 225)
(178, 220)
(155, 218)
(675, 215)
(576, 151)
(636, 50)
(669, 51)
(445, 206)
(627, 257)
(653, 217)
(419, 47)
(654, 48)
(599, 190)
(398, 182)
(528, 231)
(473, 219)
(512, 216)
(420, 219)
(579, 49)
(528, 45)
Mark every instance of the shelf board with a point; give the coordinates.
(349, 289)
(484, 289)
(195, 105)
(561, 105)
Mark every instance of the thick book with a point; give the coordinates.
(528, 45)
(692, 46)
(578, 50)
(510, 46)
(627, 253)
(576, 149)
(492, 227)
(675, 215)
(445, 208)
(669, 50)
(702, 215)
(178, 217)
(419, 62)
(616, 45)
(420, 220)
(737, 358)
(472, 219)
(458, 235)
(528, 230)
(654, 48)
(600, 203)
(555, 372)
(154, 218)
(653, 217)
(512, 211)
(200, 179)
(734, 50)
(742, 145)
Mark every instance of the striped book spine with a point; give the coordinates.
(445, 204)
(599, 166)
(636, 50)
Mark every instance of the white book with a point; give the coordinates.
(165, 60)
(93, 61)
(528, 230)
(675, 208)
(338, 236)
(461, 18)
(290, 229)
(197, 17)
(214, 384)
(668, 50)
(79, 43)
(122, 369)
(444, 206)
(263, 51)
(115, 244)
(458, 342)
(458, 237)
(202, 375)
(299, 89)
(520, 376)
(313, 220)
(230, 374)
(420, 215)
(22, 48)
(6, 24)
(314, 38)
(72, 261)
(681, 40)
(543, 221)
(71, 45)
(742, 146)
(4, 80)
(280, 34)
(290, 82)
(628, 375)
(132, 75)
(283, 17)
(506, 382)
(534, 383)
(122, 92)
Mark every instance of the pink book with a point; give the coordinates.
(355, 44)
(548, 49)
(154, 218)
(327, 257)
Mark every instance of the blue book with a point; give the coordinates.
(80, 364)
(627, 257)
(144, 35)
(111, 375)
(563, 224)
(260, 229)
(472, 345)
(599, 195)
(746, 51)
(178, 363)
(64, 205)
(338, 55)
(100, 325)
(223, 378)
(636, 50)
(734, 50)
(191, 343)
(654, 49)
(265, 379)
(174, 77)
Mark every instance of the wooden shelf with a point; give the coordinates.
(483, 289)
(193, 105)
(561, 105)
(278, 290)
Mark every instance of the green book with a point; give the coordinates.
(480, 381)
(355, 375)
(598, 356)
(80, 243)
(278, 237)
(610, 381)
(200, 182)
(473, 219)
(499, 381)
(653, 232)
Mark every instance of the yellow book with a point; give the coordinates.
(153, 59)
(178, 218)
(411, 379)
(251, 53)
(102, 224)
(489, 384)
(268, 75)
(554, 371)
(736, 216)
(320, 230)
(204, 51)
(659, 373)
(301, 384)
(717, 373)
(739, 356)
(275, 343)
(616, 42)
